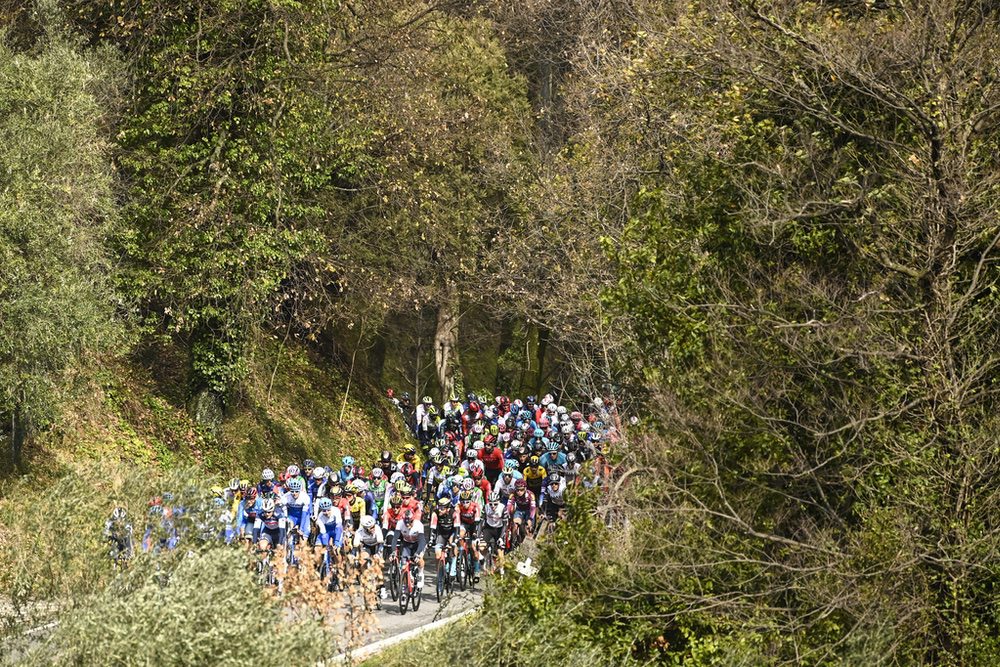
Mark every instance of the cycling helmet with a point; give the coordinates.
(495, 497)
(400, 483)
(576, 415)
(347, 461)
(571, 458)
(533, 460)
(267, 475)
(509, 465)
(368, 522)
(539, 433)
(544, 422)
(409, 450)
(438, 458)
(444, 502)
(376, 473)
(234, 483)
(119, 514)
(446, 471)
(554, 478)
(244, 485)
(477, 472)
(426, 400)
(407, 490)
(520, 485)
(336, 491)
(386, 457)
(359, 471)
(325, 504)
(552, 446)
(406, 469)
(408, 517)
(268, 506)
(435, 452)
(465, 496)
(218, 491)
(361, 485)
(396, 476)
(472, 455)
(308, 464)
(251, 494)
(319, 473)
(292, 471)
(467, 484)
(396, 500)
(295, 485)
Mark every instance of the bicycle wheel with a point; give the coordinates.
(417, 596)
(470, 571)
(442, 572)
(404, 589)
(460, 570)
(393, 580)
(449, 581)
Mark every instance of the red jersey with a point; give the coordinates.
(469, 513)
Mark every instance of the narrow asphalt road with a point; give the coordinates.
(392, 623)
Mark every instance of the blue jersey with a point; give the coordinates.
(297, 510)
(331, 527)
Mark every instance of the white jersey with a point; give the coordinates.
(412, 533)
(368, 538)
(494, 514)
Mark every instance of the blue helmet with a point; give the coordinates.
(552, 446)
(348, 461)
(295, 484)
(539, 433)
(325, 504)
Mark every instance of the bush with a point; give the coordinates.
(209, 611)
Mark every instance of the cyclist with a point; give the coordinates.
(266, 485)
(246, 515)
(553, 459)
(444, 519)
(534, 475)
(494, 521)
(346, 473)
(410, 456)
(521, 507)
(379, 488)
(268, 527)
(297, 507)
(480, 482)
(470, 515)
(492, 459)
(368, 540)
(554, 496)
(409, 535)
(505, 485)
(118, 531)
(329, 530)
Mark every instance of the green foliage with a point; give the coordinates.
(210, 610)
(56, 208)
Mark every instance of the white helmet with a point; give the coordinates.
(467, 484)
(319, 472)
(396, 476)
(361, 485)
(368, 522)
(434, 452)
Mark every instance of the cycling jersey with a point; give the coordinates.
(555, 493)
(412, 533)
(534, 474)
(330, 527)
(495, 514)
(369, 538)
(443, 521)
(297, 510)
(469, 513)
(269, 528)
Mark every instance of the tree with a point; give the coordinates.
(811, 272)
(56, 210)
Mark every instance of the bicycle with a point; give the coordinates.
(468, 560)
(446, 564)
(392, 579)
(514, 535)
(409, 594)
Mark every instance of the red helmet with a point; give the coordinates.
(477, 472)
(520, 484)
(251, 493)
(406, 469)
(473, 407)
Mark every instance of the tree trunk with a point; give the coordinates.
(446, 341)
(543, 344)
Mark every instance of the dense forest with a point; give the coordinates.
(767, 228)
